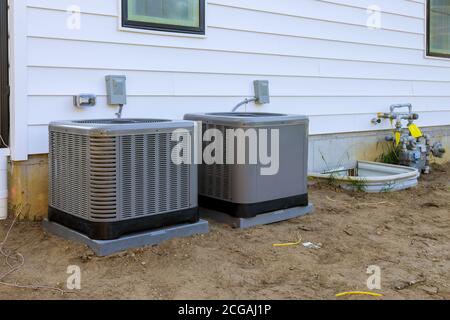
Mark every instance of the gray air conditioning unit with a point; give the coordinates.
(242, 190)
(108, 178)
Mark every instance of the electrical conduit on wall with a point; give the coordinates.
(4, 153)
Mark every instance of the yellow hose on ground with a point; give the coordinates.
(287, 244)
(358, 293)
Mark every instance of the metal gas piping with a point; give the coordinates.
(415, 149)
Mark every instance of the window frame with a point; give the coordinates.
(200, 30)
(429, 53)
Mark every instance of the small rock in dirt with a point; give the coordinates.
(348, 233)
(86, 257)
(430, 290)
(402, 285)
(310, 245)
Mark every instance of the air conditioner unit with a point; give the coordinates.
(241, 190)
(108, 178)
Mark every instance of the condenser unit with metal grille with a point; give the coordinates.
(108, 178)
(241, 190)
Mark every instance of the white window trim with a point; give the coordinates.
(161, 33)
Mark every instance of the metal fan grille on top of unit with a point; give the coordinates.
(120, 121)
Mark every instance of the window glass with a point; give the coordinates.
(185, 13)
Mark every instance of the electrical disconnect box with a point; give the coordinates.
(116, 90)
(262, 91)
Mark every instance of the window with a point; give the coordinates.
(186, 16)
(438, 28)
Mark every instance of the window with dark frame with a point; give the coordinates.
(438, 28)
(184, 16)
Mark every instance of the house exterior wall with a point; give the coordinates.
(319, 55)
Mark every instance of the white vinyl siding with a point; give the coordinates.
(319, 56)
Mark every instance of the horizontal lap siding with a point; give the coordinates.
(319, 57)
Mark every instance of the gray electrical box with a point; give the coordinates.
(262, 91)
(116, 90)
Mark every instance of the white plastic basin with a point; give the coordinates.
(372, 177)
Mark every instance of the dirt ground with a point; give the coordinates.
(406, 234)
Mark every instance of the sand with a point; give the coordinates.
(406, 234)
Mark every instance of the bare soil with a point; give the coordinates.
(406, 234)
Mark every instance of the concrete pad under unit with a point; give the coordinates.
(262, 219)
(147, 238)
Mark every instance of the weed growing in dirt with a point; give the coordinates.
(390, 154)
(331, 180)
(359, 185)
